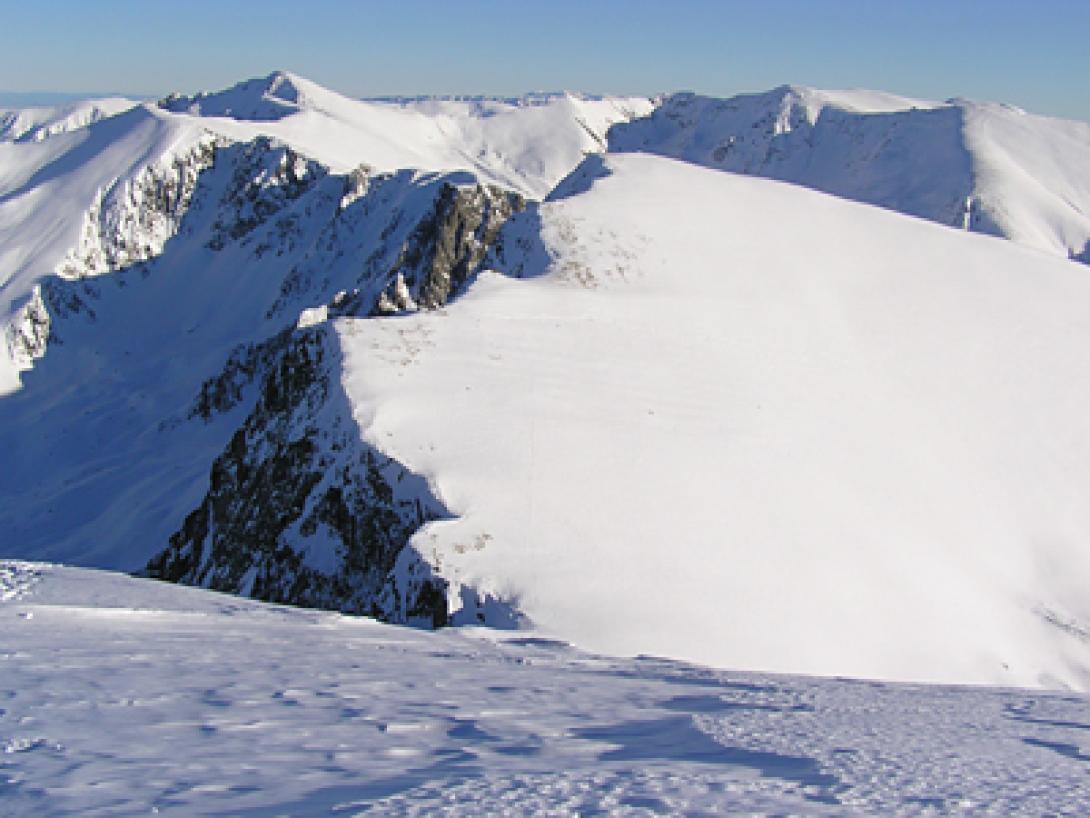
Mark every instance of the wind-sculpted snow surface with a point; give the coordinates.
(748, 424)
(979, 166)
(127, 697)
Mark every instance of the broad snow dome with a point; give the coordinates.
(752, 425)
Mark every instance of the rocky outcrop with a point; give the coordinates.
(214, 193)
(267, 177)
(399, 243)
(246, 363)
(132, 222)
(300, 510)
(297, 508)
(447, 246)
(27, 336)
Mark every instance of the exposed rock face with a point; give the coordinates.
(28, 335)
(247, 362)
(132, 222)
(266, 178)
(447, 246)
(299, 510)
(417, 240)
(215, 193)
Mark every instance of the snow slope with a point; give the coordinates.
(152, 362)
(756, 426)
(526, 144)
(128, 697)
(986, 167)
(854, 440)
(39, 123)
(52, 191)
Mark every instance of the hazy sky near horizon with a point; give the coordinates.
(1031, 53)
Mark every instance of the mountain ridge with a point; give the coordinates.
(164, 273)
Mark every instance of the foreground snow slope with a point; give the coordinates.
(753, 425)
(128, 697)
(985, 167)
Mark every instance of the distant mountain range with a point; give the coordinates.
(731, 380)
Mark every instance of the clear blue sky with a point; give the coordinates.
(1032, 53)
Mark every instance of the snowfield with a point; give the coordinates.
(128, 697)
(540, 369)
(751, 425)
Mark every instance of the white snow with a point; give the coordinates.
(48, 188)
(127, 697)
(1032, 176)
(39, 123)
(95, 149)
(526, 145)
(724, 419)
(748, 424)
(991, 168)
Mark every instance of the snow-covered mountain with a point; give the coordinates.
(39, 123)
(526, 144)
(430, 361)
(701, 397)
(986, 167)
(85, 186)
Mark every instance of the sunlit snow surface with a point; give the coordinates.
(127, 697)
(751, 425)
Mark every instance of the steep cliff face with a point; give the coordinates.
(216, 194)
(132, 221)
(300, 510)
(398, 243)
(394, 243)
(265, 179)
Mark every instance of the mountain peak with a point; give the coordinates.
(271, 97)
(284, 85)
